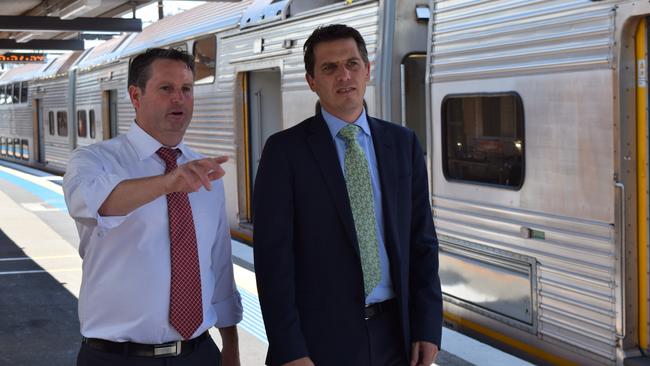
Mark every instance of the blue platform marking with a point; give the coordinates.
(50, 197)
(252, 318)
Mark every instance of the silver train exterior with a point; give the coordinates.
(538, 153)
(527, 110)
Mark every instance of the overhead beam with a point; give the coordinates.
(43, 44)
(55, 24)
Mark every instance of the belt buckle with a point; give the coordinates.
(167, 349)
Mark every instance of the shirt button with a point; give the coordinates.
(100, 233)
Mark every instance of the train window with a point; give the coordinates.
(3, 90)
(23, 92)
(483, 139)
(3, 146)
(91, 123)
(16, 94)
(50, 122)
(8, 93)
(10, 146)
(205, 59)
(82, 123)
(62, 123)
(25, 149)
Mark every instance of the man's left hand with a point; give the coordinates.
(423, 353)
(230, 357)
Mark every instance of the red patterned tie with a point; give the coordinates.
(185, 305)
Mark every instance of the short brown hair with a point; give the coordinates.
(330, 33)
(140, 71)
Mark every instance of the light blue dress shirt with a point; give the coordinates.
(384, 289)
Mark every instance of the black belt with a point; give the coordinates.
(146, 350)
(374, 310)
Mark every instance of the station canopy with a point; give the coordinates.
(64, 24)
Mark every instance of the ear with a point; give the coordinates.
(311, 82)
(367, 71)
(135, 94)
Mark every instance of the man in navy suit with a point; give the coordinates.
(346, 255)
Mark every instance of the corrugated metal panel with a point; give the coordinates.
(54, 97)
(575, 286)
(237, 48)
(475, 39)
(203, 19)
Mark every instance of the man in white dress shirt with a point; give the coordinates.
(155, 242)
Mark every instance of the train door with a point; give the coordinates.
(109, 114)
(413, 95)
(39, 147)
(262, 118)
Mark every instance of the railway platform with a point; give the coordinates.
(40, 276)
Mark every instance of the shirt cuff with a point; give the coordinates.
(229, 311)
(99, 190)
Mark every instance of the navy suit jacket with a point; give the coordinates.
(307, 260)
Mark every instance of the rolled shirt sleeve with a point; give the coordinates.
(226, 299)
(86, 185)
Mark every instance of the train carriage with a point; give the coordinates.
(533, 161)
(100, 81)
(17, 130)
(53, 104)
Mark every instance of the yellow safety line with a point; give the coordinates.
(533, 351)
(642, 180)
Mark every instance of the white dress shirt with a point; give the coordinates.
(126, 259)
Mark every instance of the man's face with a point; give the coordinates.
(340, 77)
(164, 108)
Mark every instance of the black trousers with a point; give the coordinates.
(386, 342)
(206, 353)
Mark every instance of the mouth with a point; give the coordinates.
(177, 113)
(345, 90)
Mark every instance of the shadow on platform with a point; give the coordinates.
(38, 316)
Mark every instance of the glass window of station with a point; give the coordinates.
(205, 59)
(483, 139)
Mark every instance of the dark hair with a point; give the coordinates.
(140, 72)
(330, 33)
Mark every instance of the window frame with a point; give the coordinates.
(80, 113)
(67, 124)
(212, 37)
(92, 128)
(24, 89)
(51, 123)
(443, 127)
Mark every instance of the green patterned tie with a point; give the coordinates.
(357, 180)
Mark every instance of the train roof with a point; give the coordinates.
(203, 19)
(22, 72)
(60, 65)
(104, 52)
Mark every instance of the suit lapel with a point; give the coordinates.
(385, 153)
(320, 141)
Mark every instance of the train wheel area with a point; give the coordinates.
(40, 273)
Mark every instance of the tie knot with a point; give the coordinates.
(168, 155)
(350, 132)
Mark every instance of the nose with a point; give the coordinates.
(177, 96)
(343, 74)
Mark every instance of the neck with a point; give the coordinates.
(345, 116)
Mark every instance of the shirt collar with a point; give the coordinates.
(336, 124)
(145, 145)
